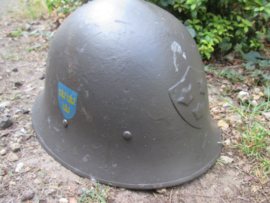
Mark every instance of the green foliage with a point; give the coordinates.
(98, 193)
(16, 33)
(64, 6)
(230, 75)
(224, 25)
(255, 135)
(32, 9)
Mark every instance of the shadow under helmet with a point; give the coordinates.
(125, 99)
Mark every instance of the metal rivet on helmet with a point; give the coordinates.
(65, 123)
(127, 79)
(127, 135)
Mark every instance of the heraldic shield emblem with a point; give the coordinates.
(67, 100)
(189, 97)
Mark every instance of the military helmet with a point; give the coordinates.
(125, 99)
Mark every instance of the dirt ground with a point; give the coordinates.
(27, 169)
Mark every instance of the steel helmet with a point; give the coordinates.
(125, 99)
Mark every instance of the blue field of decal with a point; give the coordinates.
(67, 100)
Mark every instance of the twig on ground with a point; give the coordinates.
(265, 195)
(170, 200)
(242, 198)
(266, 182)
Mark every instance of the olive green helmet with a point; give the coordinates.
(125, 99)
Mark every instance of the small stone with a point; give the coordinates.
(42, 201)
(266, 115)
(5, 104)
(3, 152)
(18, 84)
(23, 131)
(261, 94)
(225, 104)
(256, 97)
(15, 147)
(63, 200)
(5, 123)
(161, 191)
(37, 181)
(25, 111)
(51, 191)
(1, 178)
(28, 194)
(243, 93)
(13, 157)
(15, 70)
(19, 167)
(243, 99)
(40, 75)
(257, 90)
(12, 184)
(254, 103)
(27, 169)
(17, 111)
(227, 142)
(28, 27)
(222, 124)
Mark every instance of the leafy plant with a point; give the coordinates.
(98, 193)
(230, 74)
(64, 6)
(29, 49)
(221, 26)
(255, 135)
(16, 33)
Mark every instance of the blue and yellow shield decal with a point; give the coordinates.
(67, 99)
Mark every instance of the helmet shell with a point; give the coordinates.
(125, 99)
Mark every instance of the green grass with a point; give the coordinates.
(13, 57)
(29, 10)
(255, 136)
(16, 33)
(29, 49)
(97, 193)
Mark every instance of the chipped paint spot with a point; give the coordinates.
(184, 55)
(119, 21)
(183, 36)
(56, 129)
(176, 48)
(86, 93)
(49, 120)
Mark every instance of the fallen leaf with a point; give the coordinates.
(248, 178)
(247, 168)
(220, 103)
(266, 115)
(222, 124)
(226, 159)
